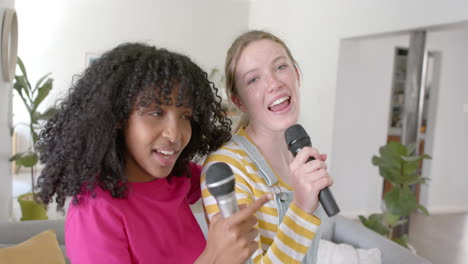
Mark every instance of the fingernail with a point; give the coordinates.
(269, 196)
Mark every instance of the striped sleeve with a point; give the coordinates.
(286, 243)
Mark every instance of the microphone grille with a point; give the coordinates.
(294, 132)
(220, 179)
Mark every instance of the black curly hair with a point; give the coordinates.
(83, 144)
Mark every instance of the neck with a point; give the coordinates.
(271, 144)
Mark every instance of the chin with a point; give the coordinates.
(282, 126)
(161, 173)
(287, 122)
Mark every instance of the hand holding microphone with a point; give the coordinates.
(309, 174)
(231, 234)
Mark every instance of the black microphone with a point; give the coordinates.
(297, 138)
(220, 182)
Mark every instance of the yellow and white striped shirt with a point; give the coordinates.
(287, 242)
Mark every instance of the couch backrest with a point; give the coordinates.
(16, 232)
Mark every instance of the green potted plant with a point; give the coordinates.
(398, 165)
(32, 97)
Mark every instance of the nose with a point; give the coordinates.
(171, 131)
(273, 82)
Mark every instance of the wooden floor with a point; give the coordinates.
(440, 238)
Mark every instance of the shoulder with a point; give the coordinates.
(98, 201)
(194, 169)
(233, 155)
(229, 151)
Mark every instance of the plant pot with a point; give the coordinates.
(30, 209)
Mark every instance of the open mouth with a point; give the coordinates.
(165, 154)
(165, 158)
(280, 104)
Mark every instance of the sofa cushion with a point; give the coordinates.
(41, 248)
(331, 253)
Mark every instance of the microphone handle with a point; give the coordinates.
(327, 200)
(227, 204)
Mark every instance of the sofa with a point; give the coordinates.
(338, 229)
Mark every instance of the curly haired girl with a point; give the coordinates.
(121, 146)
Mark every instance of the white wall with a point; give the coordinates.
(362, 110)
(313, 30)
(5, 138)
(55, 35)
(448, 140)
(66, 30)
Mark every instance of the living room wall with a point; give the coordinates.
(56, 36)
(362, 112)
(67, 30)
(314, 30)
(5, 136)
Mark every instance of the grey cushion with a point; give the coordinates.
(337, 229)
(16, 232)
(354, 233)
(12, 233)
(6, 245)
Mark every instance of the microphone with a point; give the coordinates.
(220, 183)
(297, 138)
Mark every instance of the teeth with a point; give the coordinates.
(166, 152)
(279, 101)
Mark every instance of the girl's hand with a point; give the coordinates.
(308, 178)
(232, 240)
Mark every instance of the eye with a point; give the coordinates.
(187, 116)
(282, 66)
(252, 80)
(155, 113)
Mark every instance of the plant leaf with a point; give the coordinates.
(23, 71)
(390, 174)
(375, 222)
(40, 81)
(411, 158)
(410, 167)
(401, 240)
(400, 201)
(42, 93)
(411, 148)
(397, 148)
(391, 219)
(48, 114)
(21, 87)
(425, 156)
(390, 154)
(27, 159)
(423, 209)
(363, 219)
(35, 137)
(410, 179)
(382, 162)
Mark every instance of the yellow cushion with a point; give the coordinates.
(39, 249)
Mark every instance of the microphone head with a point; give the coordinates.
(296, 138)
(220, 179)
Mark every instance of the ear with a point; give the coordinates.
(238, 102)
(298, 74)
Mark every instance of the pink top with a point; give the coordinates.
(154, 224)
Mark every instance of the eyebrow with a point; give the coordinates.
(273, 61)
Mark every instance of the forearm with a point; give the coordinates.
(205, 258)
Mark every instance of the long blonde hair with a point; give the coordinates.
(232, 59)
